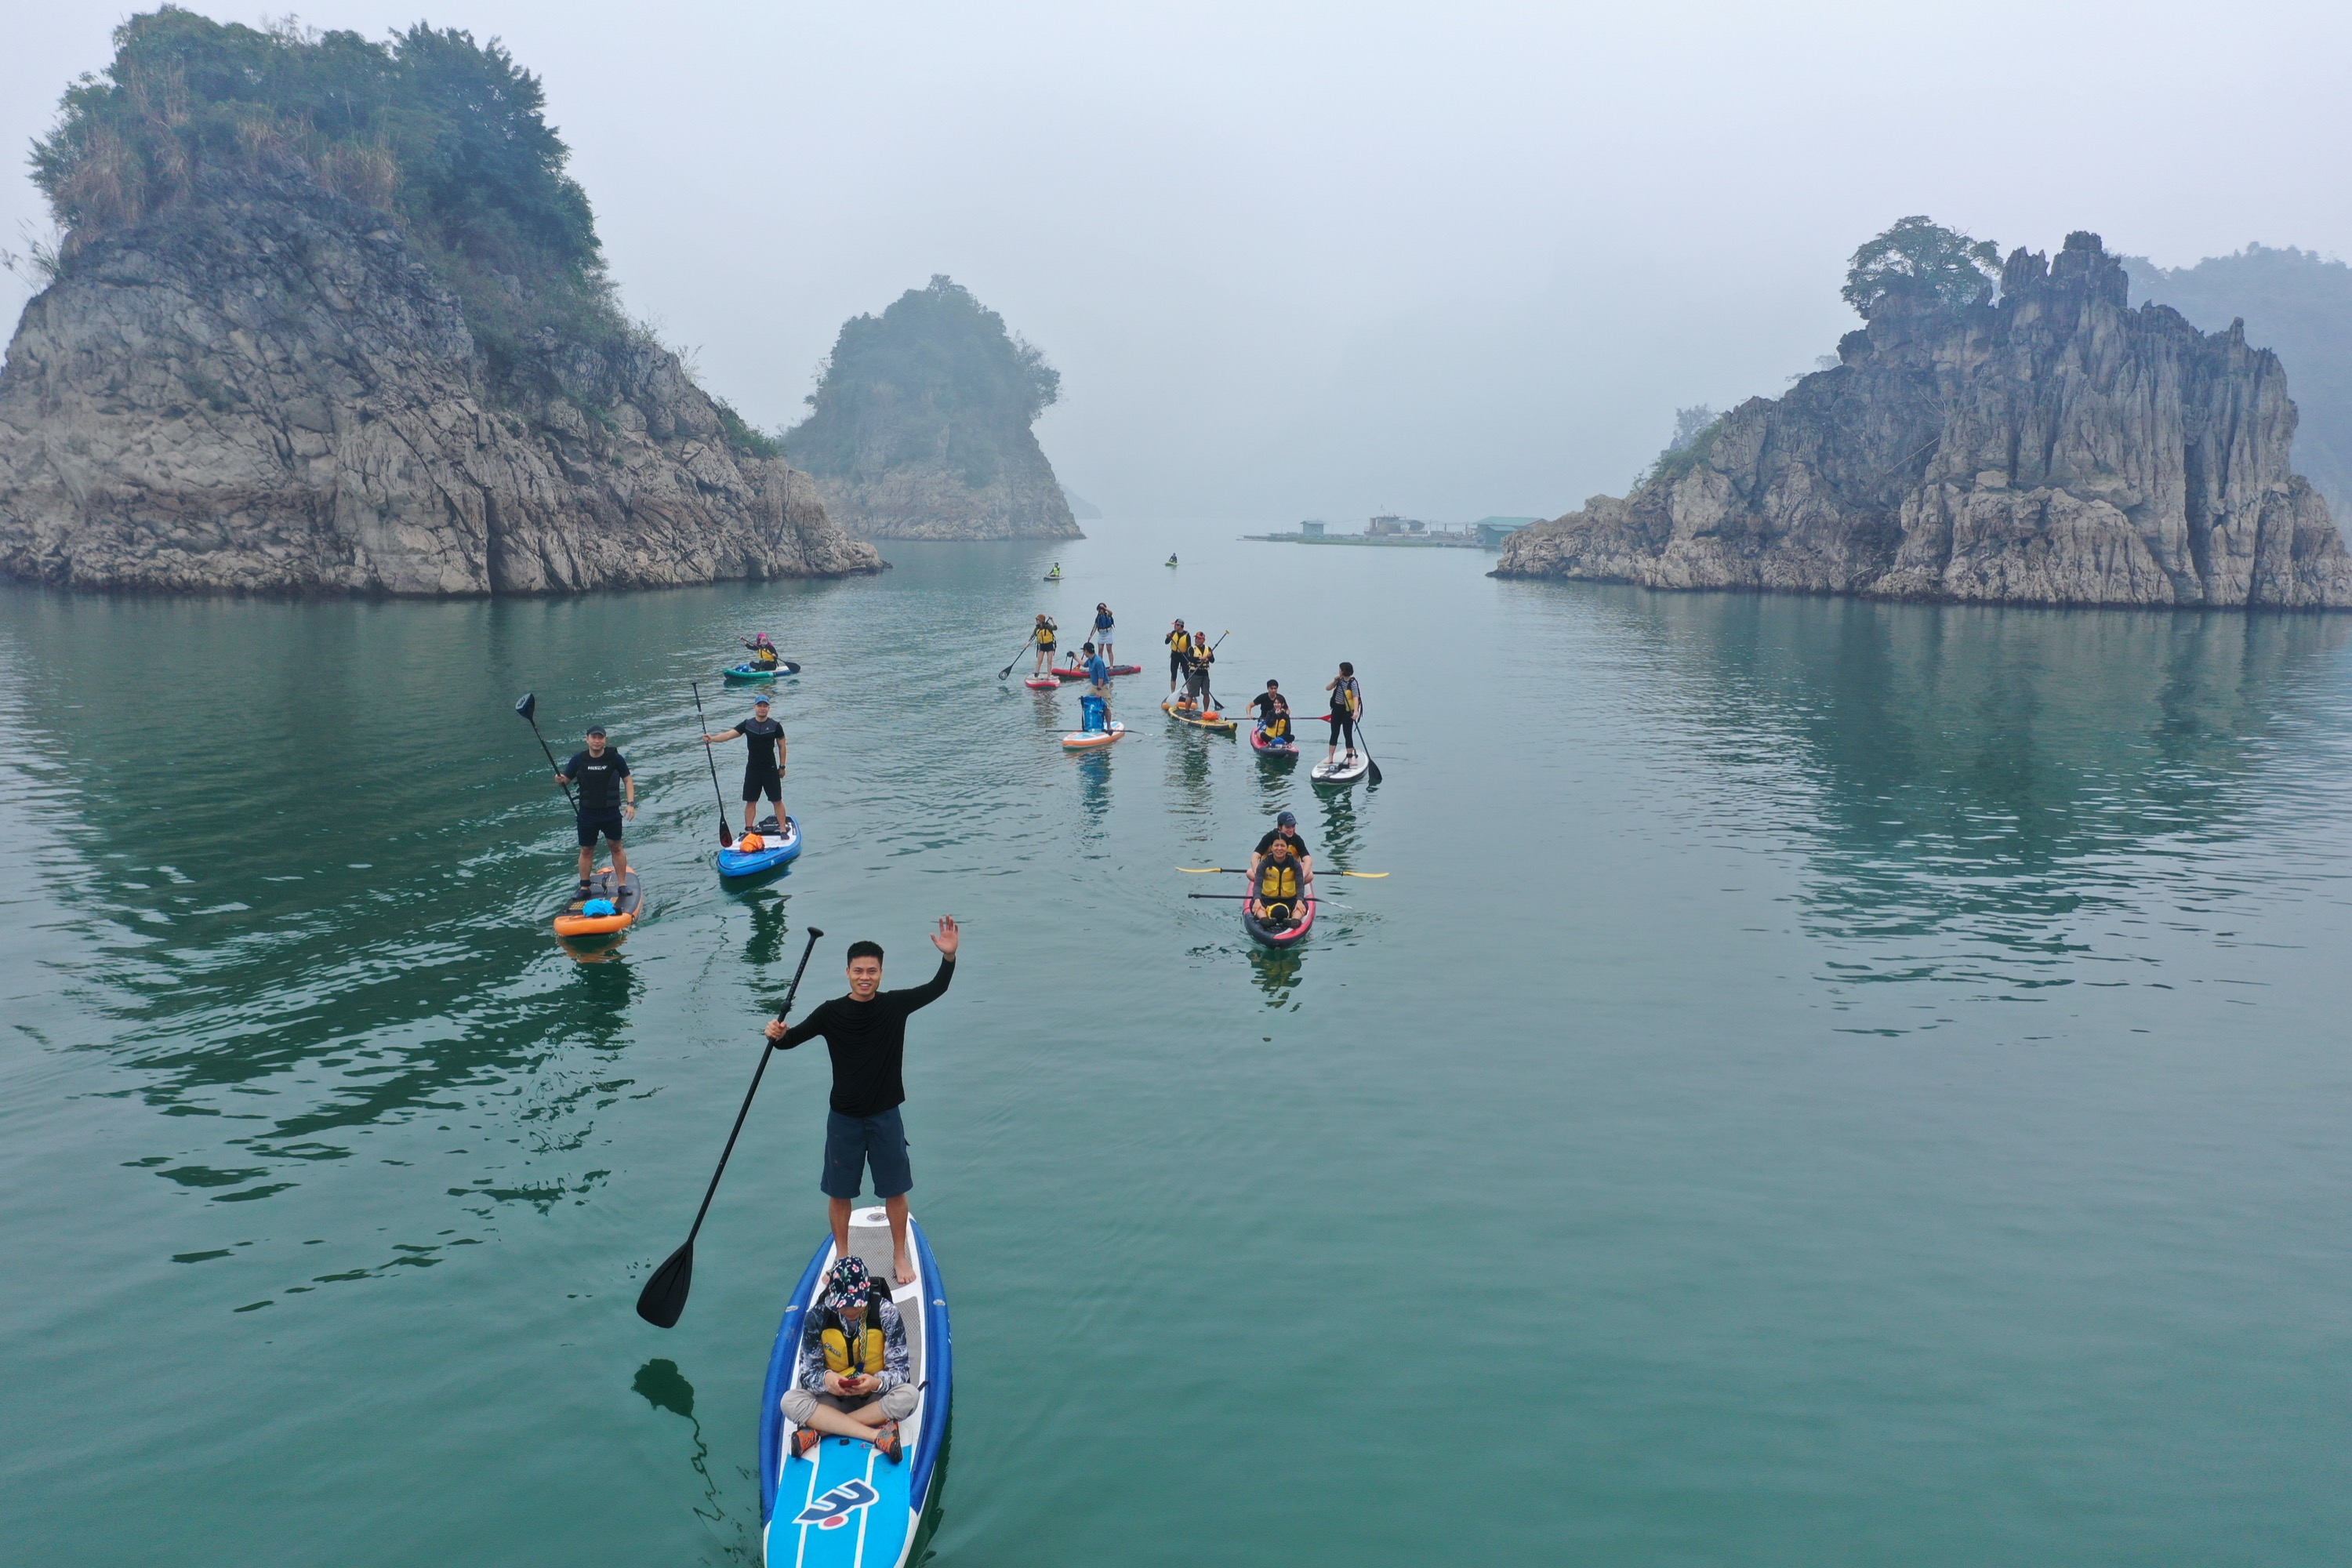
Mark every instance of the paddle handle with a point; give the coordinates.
(765, 1051)
(552, 764)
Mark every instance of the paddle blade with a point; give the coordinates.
(664, 1297)
(528, 705)
(726, 835)
(1372, 770)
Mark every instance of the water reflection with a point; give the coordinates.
(663, 1386)
(2019, 779)
(768, 925)
(1276, 971)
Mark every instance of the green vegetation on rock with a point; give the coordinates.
(935, 379)
(1957, 270)
(445, 134)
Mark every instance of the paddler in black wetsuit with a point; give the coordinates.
(865, 1032)
(1180, 648)
(606, 791)
(763, 766)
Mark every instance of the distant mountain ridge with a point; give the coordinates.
(2298, 304)
(2054, 448)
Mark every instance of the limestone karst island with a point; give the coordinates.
(746, 745)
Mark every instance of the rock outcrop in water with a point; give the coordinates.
(2056, 447)
(921, 425)
(329, 315)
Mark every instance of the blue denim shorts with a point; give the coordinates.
(852, 1143)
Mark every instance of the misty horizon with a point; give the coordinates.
(1325, 263)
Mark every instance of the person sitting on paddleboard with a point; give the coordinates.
(602, 775)
(1277, 883)
(853, 1377)
(1273, 715)
(1196, 674)
(1171, 558)
(1180, 648)
(1347, 707)
(1102, 632)
(763, 766)
(1285, 831)
(764, 652)
(1043, 634)
(866, 1032)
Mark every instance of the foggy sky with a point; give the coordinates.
(1319, 260)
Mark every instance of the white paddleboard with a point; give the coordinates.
(1342, 772)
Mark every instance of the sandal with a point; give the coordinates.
(803, 1439)
(885, 1442)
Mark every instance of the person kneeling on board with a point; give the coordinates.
(763, 768)
(852, 1377)
(866, 1034)
(1273, 714)
(1278, 886)
(605, 781)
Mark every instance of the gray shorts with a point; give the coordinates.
(897, 1404)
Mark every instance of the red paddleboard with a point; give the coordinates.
(1077, 672)
(1042, 683)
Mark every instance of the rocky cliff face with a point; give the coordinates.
(938, 500)
(2058, 448)
(266, 392)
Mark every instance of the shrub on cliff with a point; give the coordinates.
(935, 378)
(444, 133)
(1958, 270)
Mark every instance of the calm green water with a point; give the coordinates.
(1824, 1083)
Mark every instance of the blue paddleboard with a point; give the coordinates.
(777, 852)
(843, 1505)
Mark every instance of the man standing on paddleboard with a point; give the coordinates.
(865, 1032)
(763, 766)
(602, 775)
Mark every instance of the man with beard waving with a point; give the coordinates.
(865, 1032)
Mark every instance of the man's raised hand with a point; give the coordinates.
(949, 937)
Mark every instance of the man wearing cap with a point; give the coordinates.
(764, 767)
(606, 791)
(1285, 827)
(1180, 651)
(851, 1378)
(866, 1034)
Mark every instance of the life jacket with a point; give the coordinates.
(1181, 644)
(871, 1344)
(1277, 728)
(1277, 881)
(1348, 698)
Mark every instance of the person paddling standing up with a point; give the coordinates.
(763, 766)
(1103, 632)
(1043, 634)
(866, 1032)
(1197, 665)
(1180, 648)
(606, 792)
(1347, 707)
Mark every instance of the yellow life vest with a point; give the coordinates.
(1181, 643)
(1278, 727)
(869, 1349)
(1277, 881)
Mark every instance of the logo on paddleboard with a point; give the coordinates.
(831, 1511)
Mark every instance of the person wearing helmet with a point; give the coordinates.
(852, 1379)
(763, 765)
(606, 792)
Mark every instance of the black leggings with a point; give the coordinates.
(1343, 724)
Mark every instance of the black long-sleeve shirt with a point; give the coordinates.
(868, 1043)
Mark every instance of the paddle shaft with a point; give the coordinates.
(766, 1050)
(1017, 653)
(726, 834)
(553, 764)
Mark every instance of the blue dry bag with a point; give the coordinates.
(1094, 713)
(599, 908)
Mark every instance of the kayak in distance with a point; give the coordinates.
(843, 1504)
(1343, 771)
(1040, 683)
(1184, 714)
(1078, 671)
(1278, 936)
(1091, 739)
(601, 911)
(762, 848)
(743, 672)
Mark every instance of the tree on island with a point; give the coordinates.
(1957, 270)
(935, 378)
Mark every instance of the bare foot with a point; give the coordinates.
(902, 1268)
